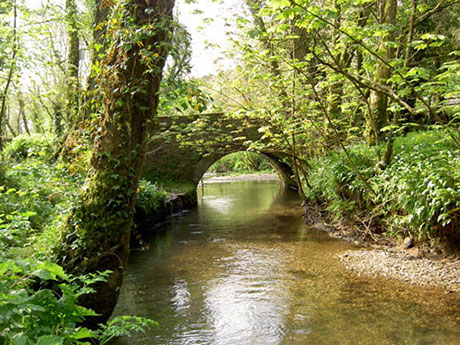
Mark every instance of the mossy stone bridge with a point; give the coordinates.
(182, 148)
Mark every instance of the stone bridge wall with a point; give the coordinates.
(183, 148)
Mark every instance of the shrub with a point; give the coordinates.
(34, 198)
(47, 316)
(42, 316)
(149, 196)
(420, 190)
(418, 193)
(36, 145)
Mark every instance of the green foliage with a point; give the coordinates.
(42, 316)
(241, 162)
(39, 306)
(335, 182)
(149, 196)
(123, 326)
(34, 200)
(419, 193)
(36, 145)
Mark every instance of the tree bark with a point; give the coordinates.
(12, 67)
(13, 132)
(22, 112)
(73, 60)
(378, 115)
(101, 13)
(97, 233)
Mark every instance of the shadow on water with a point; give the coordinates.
(243, 269)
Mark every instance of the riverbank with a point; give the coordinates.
(406, 215)
(210, 178)
(415, 196)
(394, 260)
(407, 266)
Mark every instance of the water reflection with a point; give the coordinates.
(246, 303)
(243, 269)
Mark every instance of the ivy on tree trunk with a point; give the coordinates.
(73, 59)
(97, 234)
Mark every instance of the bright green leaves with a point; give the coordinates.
(51, 340)
(428, 40)
(184, 97)
(48, 271)
(149, 197)
(123, 326)
(417, 73)
(43, 316)
(280, 4)
(417, 193)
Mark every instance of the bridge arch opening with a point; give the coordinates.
(241, 162)
(245, 161)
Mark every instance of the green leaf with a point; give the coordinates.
(49, 271)
(84, 333)
(97, 47)
(50, 340)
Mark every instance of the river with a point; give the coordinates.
(242, 268)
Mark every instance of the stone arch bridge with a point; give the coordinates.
(182, 148)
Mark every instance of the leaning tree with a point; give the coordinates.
(97, 233)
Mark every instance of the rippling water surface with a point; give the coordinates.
(243, 269)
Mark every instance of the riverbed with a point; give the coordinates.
(243, 268)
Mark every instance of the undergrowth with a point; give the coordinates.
(149, 197)
(36, 195)
(418, 194)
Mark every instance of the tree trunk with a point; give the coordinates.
(98, 231)
(13, 132)
(22, 112)
(57, 118)
(378, 116)
(101, 13)
(12, 67)
(73, 60)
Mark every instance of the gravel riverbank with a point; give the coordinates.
(392, 260)
(246, 177)
(400, 265)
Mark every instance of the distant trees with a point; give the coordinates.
(331, 72)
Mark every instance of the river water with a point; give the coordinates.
(243, 269)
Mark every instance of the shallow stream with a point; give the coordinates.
(242, 268)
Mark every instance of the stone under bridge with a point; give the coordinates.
(182, 148)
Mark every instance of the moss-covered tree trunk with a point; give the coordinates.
(378, 115)
(100, 41)
(73, 59)
(97, 234)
